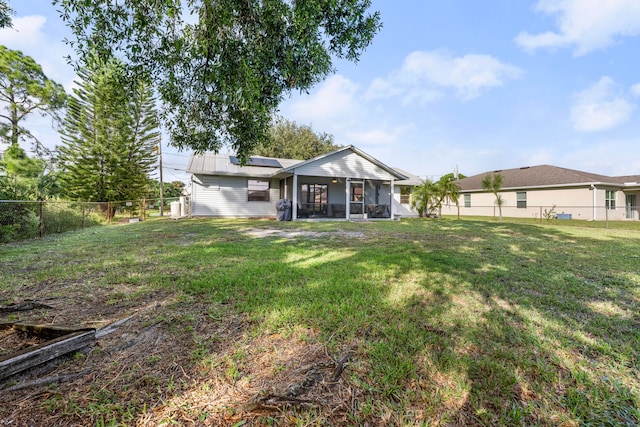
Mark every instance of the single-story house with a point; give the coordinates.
(541, 191)
(346, 183)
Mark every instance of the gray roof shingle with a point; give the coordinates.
(540, 176)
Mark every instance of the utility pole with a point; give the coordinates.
(161, 183)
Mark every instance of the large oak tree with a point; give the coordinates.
(289, 140)
(223, 66)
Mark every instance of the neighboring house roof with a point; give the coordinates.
(269, 167)
(224, 164)
(628, 179)
(542, 176)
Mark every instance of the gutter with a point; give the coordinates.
(543, 187)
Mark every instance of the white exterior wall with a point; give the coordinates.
(226, 196)
(402, 209)
(344, 164)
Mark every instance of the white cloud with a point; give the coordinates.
(375, 136)
(26, 32)
(586, 25)
(334, 98)
(600, 107)
(635, 90)
(424, 76)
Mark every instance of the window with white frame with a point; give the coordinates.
(467, 200)
(405, 194)
(610, 199)
(521, 199)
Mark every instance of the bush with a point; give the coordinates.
(18, 221)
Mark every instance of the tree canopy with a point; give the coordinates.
(25, 89)
(5, 14)
(286, 139)
(223, 66)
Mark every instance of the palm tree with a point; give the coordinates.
(493, 184)
(447, 188)
(424, 198)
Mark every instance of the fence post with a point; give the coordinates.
(109, 211)
(606, 216)
(540, 214)
(144, 209)
(41, 218)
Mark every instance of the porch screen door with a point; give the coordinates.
(356, 202)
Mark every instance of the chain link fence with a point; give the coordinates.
(541, 214)
(23, 219)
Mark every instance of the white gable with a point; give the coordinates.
(343, 164)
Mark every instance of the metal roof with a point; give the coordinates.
(222, 164)
(412, 179)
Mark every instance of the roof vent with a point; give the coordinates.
(525, 167)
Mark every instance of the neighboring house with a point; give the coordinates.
(346, 183)
(534, 191)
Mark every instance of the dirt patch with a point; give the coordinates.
(259, 381)
(266, 232)
(176, 360)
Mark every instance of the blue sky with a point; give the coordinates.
(478, 85)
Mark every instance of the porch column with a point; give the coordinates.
(294, 202)
(393, 207)
(347, 189)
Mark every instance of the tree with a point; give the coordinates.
(493, 184)
(222, 66)
(424, 198)
(447, 189)
(289, 140)
(170, 190)
(25, 178)
(5, 14)
(25, 89)
(108, 136)
(428, 197)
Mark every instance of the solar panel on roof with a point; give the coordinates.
(257, 161)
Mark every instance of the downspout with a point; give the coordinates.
(595, 210)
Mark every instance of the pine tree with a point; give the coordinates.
(108, 136)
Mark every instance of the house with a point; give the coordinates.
(346, 183)
(541, 191)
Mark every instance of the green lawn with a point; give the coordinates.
(472, 322)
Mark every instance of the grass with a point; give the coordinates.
(472, 322)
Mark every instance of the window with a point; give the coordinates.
(405, 195)
(467, 200)
(610, 199)
(521, 199)
(258, 190)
